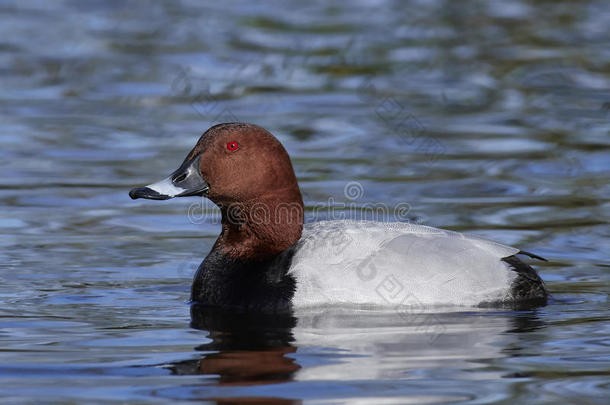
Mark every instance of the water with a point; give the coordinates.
(487, 117)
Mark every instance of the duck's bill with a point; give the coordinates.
(184, 182)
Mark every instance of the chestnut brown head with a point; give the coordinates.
(246, 171)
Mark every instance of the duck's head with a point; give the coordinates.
(245, 171)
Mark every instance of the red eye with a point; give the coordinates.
(232, 146)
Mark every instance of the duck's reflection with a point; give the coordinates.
(246, 350)
(249, 349)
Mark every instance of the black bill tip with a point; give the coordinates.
(145, 192)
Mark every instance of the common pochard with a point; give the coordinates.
(266, 259)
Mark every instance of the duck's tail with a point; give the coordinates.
(528, 287)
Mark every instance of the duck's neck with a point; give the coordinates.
(257, 230)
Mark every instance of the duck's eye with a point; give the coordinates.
(232, 146)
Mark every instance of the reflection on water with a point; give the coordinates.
(488, 117)
(393, 354)
(245, 350)
(251, 348)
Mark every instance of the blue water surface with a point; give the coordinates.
(488, 117)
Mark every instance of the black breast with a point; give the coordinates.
(246, 286)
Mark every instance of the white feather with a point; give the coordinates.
(390, 264)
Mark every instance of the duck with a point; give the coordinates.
(266, 259)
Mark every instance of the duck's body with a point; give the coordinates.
(265, 260)
(371, 263)
(342, 262)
